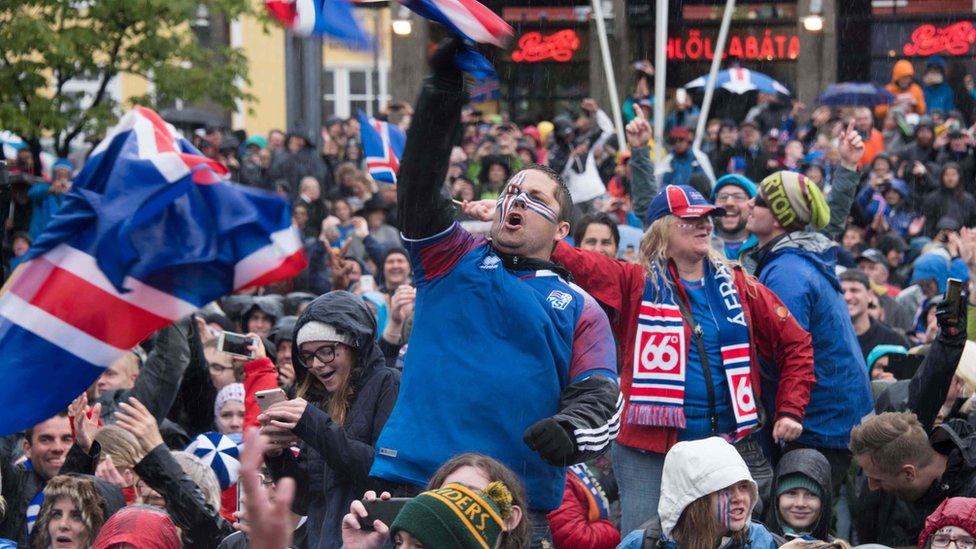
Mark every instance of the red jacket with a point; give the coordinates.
(773, 333)
(259, 375)
(577, 523)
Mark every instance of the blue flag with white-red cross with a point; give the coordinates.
(150, 232)
(383, 145)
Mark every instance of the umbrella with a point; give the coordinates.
(854, 94)
(220, 453)
(739, 81)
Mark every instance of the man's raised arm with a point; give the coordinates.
(423, 210)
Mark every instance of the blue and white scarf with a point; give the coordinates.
(657, 394)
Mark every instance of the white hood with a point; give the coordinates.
(694, 469)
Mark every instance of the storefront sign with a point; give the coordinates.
(927, 39)
(559, 46)
(771, 46)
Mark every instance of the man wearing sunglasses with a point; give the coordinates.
(507, 358)
(797, 263)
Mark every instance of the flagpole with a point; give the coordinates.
(660, 74)
(601, 30)
(723, 34)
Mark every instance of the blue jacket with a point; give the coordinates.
(44, 206)
(799, 268)
(759, 538)
(939, 97)
(680, 168)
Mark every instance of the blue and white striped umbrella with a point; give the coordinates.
(739, 81)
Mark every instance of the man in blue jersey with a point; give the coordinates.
(507, 358)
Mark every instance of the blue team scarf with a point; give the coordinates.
(596, 498)
(657, 394)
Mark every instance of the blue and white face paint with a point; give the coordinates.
(515, 195)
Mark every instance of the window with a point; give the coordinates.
(350, 88)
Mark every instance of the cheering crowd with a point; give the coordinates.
(538, 337)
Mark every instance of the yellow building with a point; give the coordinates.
(347, 77)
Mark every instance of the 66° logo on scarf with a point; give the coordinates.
(660, 353)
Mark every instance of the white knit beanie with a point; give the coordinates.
(234, 391)
(320, 331)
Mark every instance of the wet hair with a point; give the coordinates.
(563, 196)
(519, 536)
(698, 528)
(201, 475)
(600, 218)
(891, 440)
(86, 499)
(119, 445)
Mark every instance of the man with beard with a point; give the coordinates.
(733, 192)
(506, 357)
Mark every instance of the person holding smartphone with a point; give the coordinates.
(345, 395)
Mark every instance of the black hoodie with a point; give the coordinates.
(332, 468)
(813, 465)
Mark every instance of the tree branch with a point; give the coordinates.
(96, 100)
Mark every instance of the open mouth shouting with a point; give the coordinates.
(513, 221)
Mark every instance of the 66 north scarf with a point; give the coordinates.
(657, 394)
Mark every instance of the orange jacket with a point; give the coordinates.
(902, 69)
(873, 145)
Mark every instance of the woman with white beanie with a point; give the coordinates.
(707, 497)
(345, 395)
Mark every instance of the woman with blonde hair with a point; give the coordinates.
(691, 328)
(120, 449)
(345, 395)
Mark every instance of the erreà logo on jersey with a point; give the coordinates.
(559, 300)
(490, 262)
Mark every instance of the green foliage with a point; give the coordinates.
(46, 43)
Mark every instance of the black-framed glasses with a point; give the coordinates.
(962, 542)
(325, 354)
(760, 202)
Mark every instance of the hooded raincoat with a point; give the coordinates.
(333, 464)
(813, 465)
(693, 470)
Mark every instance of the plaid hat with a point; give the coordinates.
(798, 480)
(795, 201)
(456, 516)
(680, 201)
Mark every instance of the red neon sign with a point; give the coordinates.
(770, 47)
(558, 46)
(956, 39)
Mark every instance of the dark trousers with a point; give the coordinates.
(539, 525)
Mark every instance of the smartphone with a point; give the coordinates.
(681, 96)
(903, 366)
(240, 502)
(367, 283)
(236, 344)
(268, 397)
(384, 510)
(953, 296)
